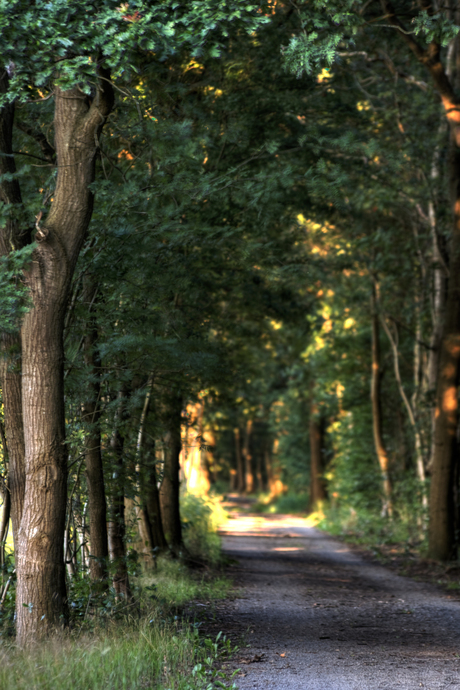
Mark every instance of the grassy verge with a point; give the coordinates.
(149, 647)
(399, 543)
(146, 645)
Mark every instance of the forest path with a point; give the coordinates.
(319, 617)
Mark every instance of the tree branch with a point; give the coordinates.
(431, 59)
(103, 102)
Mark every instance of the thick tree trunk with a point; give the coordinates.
(438, 302)
(444, 469)
(444, 517)
(317, 483)
(169, 490)
(443, 514)
(41, 593)
(99, 550)
(380, 449)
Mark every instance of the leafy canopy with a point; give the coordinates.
(66, 41)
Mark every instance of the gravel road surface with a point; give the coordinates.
(318, 617)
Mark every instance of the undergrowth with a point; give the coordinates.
(201, 516)
(366, 528)
(141, 645)
(133, 654)
(362, 525)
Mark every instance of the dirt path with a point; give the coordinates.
(318, 617)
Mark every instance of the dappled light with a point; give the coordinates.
(229, 343)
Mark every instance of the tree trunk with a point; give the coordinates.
(137, 507)
(444, 522)
(6, 514)
(152, 503)
(117, 528)
(12, 402)
(10, 343)
(151, 495)
(317, 483)
(169, 490)
(247, 456)
(239, 461)
(411, 411)
(274, 471)
(41, 593)
(99, 550)
(260, 481)
(444, 470)
(440, 275)
(268, 467)
(380, 450)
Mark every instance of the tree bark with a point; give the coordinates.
(317, 484)
(260, 481)
(151, 495)
(169, 490)
(440, 274)
(411, 412)
(6, 514)
(247, 457)
(149, 533)
(117, 528)
(380, 449)
(41, 593)
(239, 461)
(268, 466)
(152, 504)
(99, 550)
(443, 524)
(11, 236)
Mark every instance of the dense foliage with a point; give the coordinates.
(270, 208)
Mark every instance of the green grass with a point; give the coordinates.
(133, 655)
(148, 648)
(174, 585)
(141, 647)
(372, 530)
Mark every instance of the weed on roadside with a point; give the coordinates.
(141, 645)
(134, 656)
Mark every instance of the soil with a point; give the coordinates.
(313, 614)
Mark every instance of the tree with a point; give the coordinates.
(72, 56)
(433, 31)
